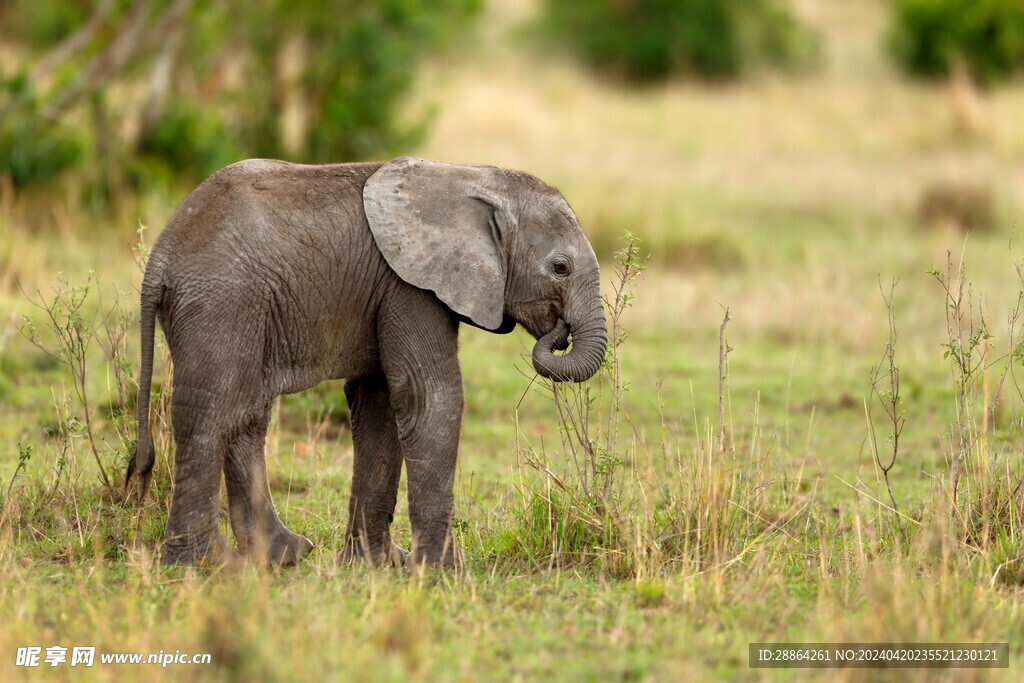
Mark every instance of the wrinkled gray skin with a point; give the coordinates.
(272, 277)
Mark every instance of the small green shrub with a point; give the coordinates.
(652, 39)
(560, 530)
(1007, 559)
(931, 37)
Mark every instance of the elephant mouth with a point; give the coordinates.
(557, 339)
(561, 341)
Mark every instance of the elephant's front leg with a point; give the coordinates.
(419, 351)
(376, 471)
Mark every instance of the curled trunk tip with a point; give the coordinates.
(582, 361)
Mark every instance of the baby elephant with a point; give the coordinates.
(272, 277)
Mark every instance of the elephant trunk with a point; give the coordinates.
(589, 341)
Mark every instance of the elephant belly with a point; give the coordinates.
(328, 343)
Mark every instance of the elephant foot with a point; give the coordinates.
(356, 550)
(281, 548)
(287, 548)
(450, 556)
(214, 554)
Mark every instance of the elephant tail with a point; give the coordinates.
(141, 465)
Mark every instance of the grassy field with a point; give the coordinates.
(647, 553)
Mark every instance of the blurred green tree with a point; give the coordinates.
(178, 88)
(935, 37)
(33, 148)
(653, 39)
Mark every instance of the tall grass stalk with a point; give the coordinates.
(966, 338)
(985, 496)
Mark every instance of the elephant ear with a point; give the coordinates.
(439, 226)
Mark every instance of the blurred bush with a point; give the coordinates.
(189, 139)
(179, 88)
(32, 148)
(47, 21)
(652, 39)
(961, 204)
(933, 37)
(347, 69)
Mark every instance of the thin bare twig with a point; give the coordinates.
(73, 335)
(885, 386)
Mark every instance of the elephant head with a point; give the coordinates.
(497, 247)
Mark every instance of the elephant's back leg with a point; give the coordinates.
(201, 438)
(218, 392)
(258, 529)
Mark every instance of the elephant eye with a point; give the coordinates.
(561, 268)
